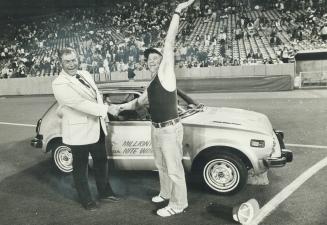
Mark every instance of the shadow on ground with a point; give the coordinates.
(34, 193)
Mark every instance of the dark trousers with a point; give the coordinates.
(80, 169)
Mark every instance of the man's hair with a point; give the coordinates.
(66, 51)
(150, 50)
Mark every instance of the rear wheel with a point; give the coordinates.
(62, 157)
(223, 173)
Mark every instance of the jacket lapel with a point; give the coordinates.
(79, 87)
(94, 87)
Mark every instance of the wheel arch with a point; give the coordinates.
(61, 162)
(220, 149)
(52, 142)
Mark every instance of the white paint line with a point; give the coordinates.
(18, 124)
(287, 191)
(307, 146)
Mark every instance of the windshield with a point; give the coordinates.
(186, 105)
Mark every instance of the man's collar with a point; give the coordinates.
(63, 72)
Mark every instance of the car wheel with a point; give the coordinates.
(223, 173)
(62, 158)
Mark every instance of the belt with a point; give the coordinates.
(166, 123)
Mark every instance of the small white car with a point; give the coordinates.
(220, 144)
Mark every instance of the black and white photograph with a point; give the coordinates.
(155, 112)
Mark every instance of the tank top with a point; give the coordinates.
(163, 103)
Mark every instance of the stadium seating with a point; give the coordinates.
(213, 36)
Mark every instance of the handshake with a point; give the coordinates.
(114, 109)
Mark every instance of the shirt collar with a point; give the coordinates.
(63, 72)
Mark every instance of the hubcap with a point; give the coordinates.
(64, 159)
(221, 175)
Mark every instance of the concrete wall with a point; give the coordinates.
(26, 86)
(42, 85)
(221, 72)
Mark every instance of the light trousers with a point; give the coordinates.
(168, 155)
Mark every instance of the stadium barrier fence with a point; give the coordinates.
(275, 77)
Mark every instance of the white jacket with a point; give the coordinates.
(81, 108)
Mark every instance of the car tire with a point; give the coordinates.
(223, 173)
(62, 158)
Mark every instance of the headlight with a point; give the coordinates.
(257, 143)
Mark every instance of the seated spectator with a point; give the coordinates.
(274, 41)
(236, 62)
(284, 55)
(238, 33)
(256, 23)
(323, 32)
(223, 37)
(4, 72)
(130, 71)
(183, 51)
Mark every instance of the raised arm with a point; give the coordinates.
(166, 70)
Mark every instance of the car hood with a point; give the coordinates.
(231, 118)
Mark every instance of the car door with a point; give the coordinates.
(129, 136)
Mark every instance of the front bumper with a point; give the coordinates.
(286, 157)
(37, 141)
(286, 154)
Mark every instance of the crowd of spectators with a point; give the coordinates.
(114, 38)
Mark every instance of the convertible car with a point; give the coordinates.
(220, 144)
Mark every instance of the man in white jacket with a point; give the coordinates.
(83, 116)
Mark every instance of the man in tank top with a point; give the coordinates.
(166, 130)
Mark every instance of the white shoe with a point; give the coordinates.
(168, 211)
(158, 199)
(246, 212)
